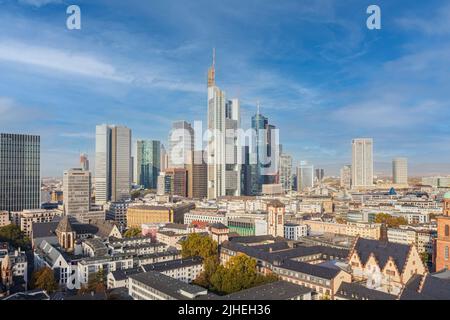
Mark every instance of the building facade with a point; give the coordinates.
(400, 171)
(362, 163)
(20, 177)
(148, 166)
(77, 192)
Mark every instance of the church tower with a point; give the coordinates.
(443, 236)
(66, 235)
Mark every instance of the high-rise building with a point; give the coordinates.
(264, 154)
(148, 157)
(224, 170)
(286, 171)
(362, 163)
(164, 162)
(112, 163)
(84, 162)
(346, 176)
(20, 180)
(400, 171)
(320, 173)
(77, 192)
(305, 176)
(178, 180)
(197, 172)
(181, 143)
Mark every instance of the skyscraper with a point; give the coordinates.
(148, 157)
(305, 176)
(223, 155)
(77, 192)
(320, 173)
(112, 163)
(346, 176)
(362, 163)
(20, 180)
(400, 170)
(286, 171)
(181, 143)
(164, 162)
(264, 154)
(197, 176)
(84, 162)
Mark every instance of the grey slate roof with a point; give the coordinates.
(433, 288)
(382, 251)
(167, 285)
(278, 290)
(356, 291)
(172, 264)
(310, 269)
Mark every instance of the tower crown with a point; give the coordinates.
(212, 71)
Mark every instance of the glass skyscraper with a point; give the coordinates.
(20, 180)
(148, 157)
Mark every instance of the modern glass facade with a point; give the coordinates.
(148, 154)
(20, 180)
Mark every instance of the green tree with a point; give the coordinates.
(390, 221)
(96, 283)
(238, 274)
(44, 279)
(13, 235)
(199, 245)
(132, 232)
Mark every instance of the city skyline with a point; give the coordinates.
(311, 91)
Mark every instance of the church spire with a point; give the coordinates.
(212, 71)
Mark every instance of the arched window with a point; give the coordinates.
(447, 230)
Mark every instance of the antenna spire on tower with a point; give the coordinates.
(212, 71)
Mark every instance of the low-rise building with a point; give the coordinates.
(384, 266)
(185, 270)
(294, 231)
(154, 285)
(4, 218)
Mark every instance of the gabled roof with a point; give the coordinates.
(64, 225)
(382, 251)
(356, 291)
(427, 287)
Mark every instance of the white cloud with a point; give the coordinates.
(38, 3)
(58, 60)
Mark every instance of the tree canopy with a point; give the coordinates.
(199, 245)
(13, 235)
(96, 283)
(390, 221)
(44, 279)
(238, 274)
(132, 232)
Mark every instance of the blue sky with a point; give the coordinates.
(321, 76)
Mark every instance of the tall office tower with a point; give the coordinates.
(264, 155)
(164, 159)
(178, 180)
(362, 163)
(286, 172)
(77, 192)
(305, 176)
(181, 143)
(400, 170)
(320, 173)
(197, 172)
(246, 172)
(224, 170)
(84, 162)
(148, 157)
(346, 176)
(112, 163)
(20, 180)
